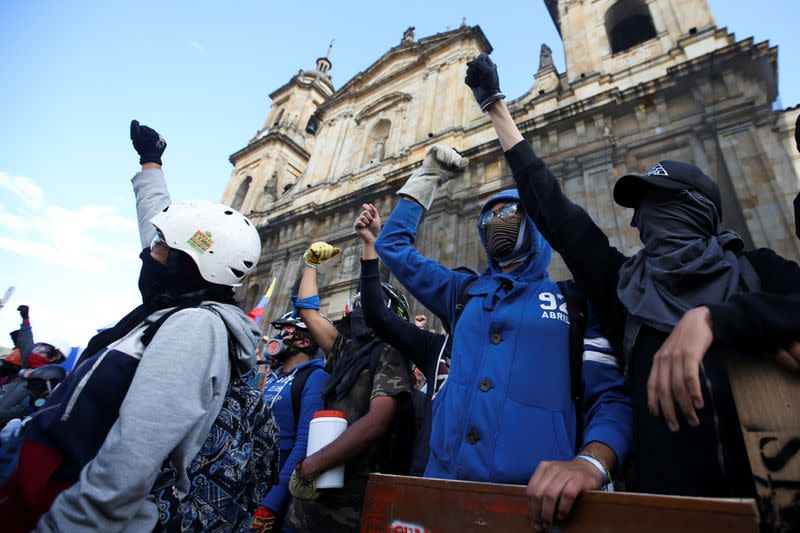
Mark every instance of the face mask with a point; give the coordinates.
(280, 351)
(178, 276)
(672, 222)
(501, 236)
(153, 277)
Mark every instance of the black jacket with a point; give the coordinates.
(709, 460)
(420, 346)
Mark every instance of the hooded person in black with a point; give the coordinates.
(679, 308)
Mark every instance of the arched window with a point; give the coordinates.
(313, 124)
(241, 193)
(278, 117)
(375, 148)
(629, 23)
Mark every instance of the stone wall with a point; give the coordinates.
(703, 98)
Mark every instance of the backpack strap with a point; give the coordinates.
(152, 329)
(463, 299)
(298, 386)
(576, 311)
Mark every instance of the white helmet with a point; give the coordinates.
(224, 245)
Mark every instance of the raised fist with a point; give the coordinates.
(482, 78)
(368, 223)
(23, 311)
(148, 143)
(440, 164)
(319, 252)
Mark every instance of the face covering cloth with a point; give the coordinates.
(684, 264)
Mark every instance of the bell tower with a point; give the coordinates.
(614, 40)
(268, 167)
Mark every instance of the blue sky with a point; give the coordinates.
(73, 74)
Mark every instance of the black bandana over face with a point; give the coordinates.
(178, 277)
(684, 264)
(501, 236)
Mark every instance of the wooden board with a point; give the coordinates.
(398, 504)
(768, 402)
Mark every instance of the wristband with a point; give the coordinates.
(311, 302)
(598, 464)
(305, 260)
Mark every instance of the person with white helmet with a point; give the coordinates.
(138, 396)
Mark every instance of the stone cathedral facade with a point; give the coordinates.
(645, 80)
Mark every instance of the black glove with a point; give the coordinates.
(482, 79)
(23, 311)
(148, 143)
(797, 215)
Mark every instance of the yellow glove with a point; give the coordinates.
(319, 252)
(302, 489)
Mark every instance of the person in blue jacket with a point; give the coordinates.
(295, 356)
(505, 414)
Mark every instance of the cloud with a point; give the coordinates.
(84, 239)
(24, 188)
(197, 45)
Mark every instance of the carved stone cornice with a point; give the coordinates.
(276, 136)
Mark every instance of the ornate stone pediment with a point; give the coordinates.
(384, 102)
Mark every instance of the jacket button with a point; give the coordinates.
(472, 436)
(496, 338)
(485, 385)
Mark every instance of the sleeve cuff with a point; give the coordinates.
(725, 319)
(618, 442)
(520, 156)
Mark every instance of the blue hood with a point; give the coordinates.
(535, 266)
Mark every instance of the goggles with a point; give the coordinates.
(509, 210)
(286, 331)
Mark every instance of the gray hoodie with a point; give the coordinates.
(176, 394)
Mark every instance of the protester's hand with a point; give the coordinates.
(302, 488)
(368, 224)
(554, 487)
(148, 143)
(482, 78)
(444, 161)
(23, 311)
(420, 321)
(789, 357)
(675, 375)
(263, 520)
(319, 252)
(439, 165)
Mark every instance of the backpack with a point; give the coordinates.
(235, 467)
(576, 311)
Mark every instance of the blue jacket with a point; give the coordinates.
(293, 437)
(506, 405)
